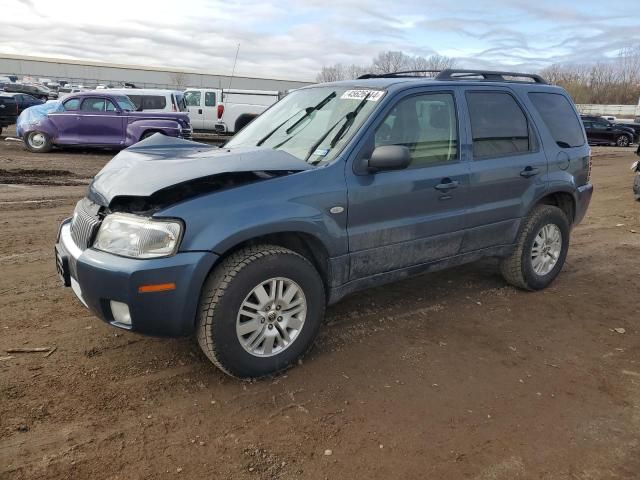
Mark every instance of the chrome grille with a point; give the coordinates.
(85, 223)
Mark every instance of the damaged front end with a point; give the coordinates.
(162, 171)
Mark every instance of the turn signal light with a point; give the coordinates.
(158, 287)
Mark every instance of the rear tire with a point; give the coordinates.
(623, 141)
(274, 333)
(539, 254)
(37, 142)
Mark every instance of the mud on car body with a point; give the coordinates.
(336, 188)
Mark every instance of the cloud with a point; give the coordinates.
(294, 39)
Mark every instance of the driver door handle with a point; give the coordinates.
(446, 184)
(529, 172)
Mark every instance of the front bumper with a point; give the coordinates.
(97, 278)
(583, 198)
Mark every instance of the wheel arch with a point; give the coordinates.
(562, 199)
(243, 120)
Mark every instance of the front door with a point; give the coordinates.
(508, 169)
(195, 108)
(101, 122)
(398, 219)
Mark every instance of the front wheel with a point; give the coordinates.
(623, 141)
(37, 142)
(260, 311)
(541, 249)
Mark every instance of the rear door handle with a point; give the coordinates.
(529, 172)
(446, 184)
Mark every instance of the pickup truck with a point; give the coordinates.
(226, 111)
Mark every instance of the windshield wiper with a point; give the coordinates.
(349, 117)
(307, 111)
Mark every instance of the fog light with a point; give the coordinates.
(120, 312)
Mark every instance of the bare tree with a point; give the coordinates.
(179, 80)
(433, 62)
(390, 62)
(331, 73)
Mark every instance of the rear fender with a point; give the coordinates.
(137, 128)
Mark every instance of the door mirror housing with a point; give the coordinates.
(389, 157)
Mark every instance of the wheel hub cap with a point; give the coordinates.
(271, 317)
(546, 249)
(37, 140)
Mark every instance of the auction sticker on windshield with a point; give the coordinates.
(374, 95)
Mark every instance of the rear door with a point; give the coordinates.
(210, 110)
(508, 166)
(194, 99)
(405, 218)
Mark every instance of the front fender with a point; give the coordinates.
(137, 128)
(299, 202)
(44, 125)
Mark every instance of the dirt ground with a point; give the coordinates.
(452, 375)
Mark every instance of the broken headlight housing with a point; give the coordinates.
(134, 236)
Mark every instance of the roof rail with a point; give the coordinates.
(488, 76)
(460, 74)
(404, 73)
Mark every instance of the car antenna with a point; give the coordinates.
(233, 70)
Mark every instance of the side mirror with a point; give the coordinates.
(389, 157)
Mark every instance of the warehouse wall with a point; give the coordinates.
(92, 73)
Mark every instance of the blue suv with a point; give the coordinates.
(336, 188)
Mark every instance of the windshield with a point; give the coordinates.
(313, 124)
(125, 103)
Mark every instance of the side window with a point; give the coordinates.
(92, 105)
(427, 125)
(498, 125)
(72, 105)
(136, 100)
(153, 102)
(600, 125)
(209, 99)
(193, 98)
(111, 107)
(559, 117)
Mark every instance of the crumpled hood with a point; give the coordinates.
(160, 162)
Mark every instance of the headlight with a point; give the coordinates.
(138, 237)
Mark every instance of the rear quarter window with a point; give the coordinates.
(153, 102)
(559, 117)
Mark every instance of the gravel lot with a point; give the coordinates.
(451, 375)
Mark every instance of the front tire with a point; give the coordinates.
(38, 142)
(623, 141)
(541, 249)
(260, 311)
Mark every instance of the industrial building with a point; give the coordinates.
(90, 74)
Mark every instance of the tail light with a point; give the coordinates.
(590, 165)
(173, 107)
(220, 111)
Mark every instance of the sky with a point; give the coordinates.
(294, 39)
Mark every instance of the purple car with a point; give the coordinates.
(96, 119)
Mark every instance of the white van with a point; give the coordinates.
(153, 100)
(226, 111)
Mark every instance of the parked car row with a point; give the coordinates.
(13, 104)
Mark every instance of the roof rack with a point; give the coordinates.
(460, 74)
(487, 76)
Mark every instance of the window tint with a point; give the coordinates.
(498, 125)
(561, 120)
(136, 100)
(153, 102)
(426, 124)
(73, 104)
(92, 105)
(192, 98)
(209, 99)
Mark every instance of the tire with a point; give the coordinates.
(232, 284)
(623, 141)
(37, 142)
(519, 268)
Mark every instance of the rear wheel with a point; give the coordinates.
(260, 311)
(541, 249)
(37, 142)
(623, 141)
(149, 134)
